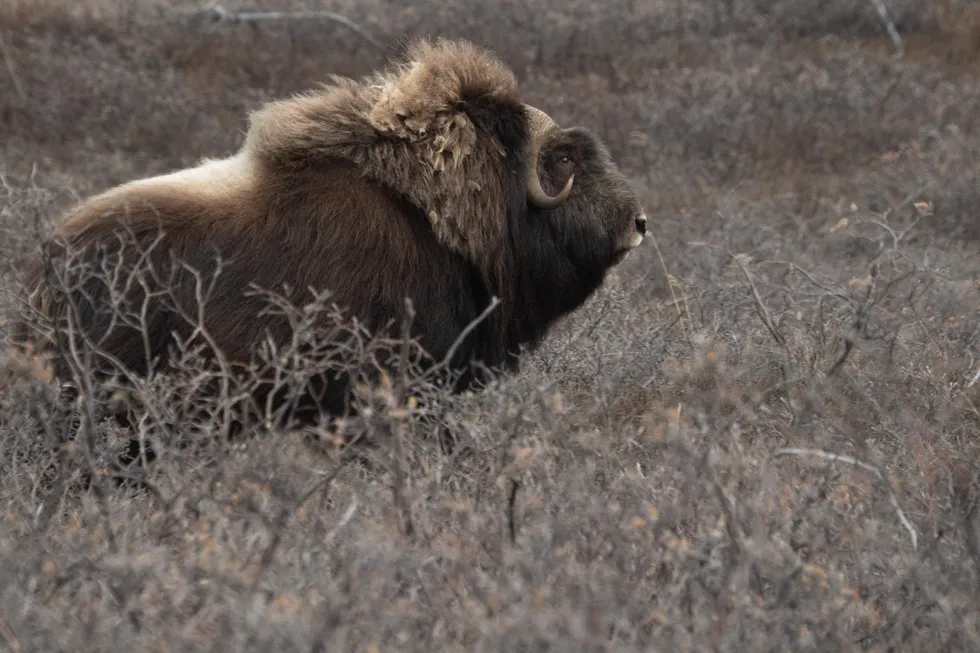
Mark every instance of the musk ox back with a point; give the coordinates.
(430, 181)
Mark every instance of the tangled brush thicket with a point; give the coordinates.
(762, 435)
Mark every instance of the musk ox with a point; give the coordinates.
(431, 181)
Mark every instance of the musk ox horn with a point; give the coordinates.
(540, 124)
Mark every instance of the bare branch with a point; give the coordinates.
(447, 359)
(833, 457)
(225, 15)
(9, 61)
(404, 507)
(511, 502)
(345, 518)
(766, 318)
(759, 304)
(12, 641)
(670, 284)
(896, 38)
(975, 378)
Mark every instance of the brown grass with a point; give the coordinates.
(814, 199)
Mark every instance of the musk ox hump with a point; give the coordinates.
(445, 128)
(423, 96)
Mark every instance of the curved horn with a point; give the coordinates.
(540, 122)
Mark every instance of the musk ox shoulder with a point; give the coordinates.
(431, 181)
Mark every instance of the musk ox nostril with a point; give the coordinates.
(641, 224)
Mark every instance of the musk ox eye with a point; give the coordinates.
(565, 159)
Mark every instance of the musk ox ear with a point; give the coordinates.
(425, 100)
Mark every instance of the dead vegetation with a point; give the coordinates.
(762, 436)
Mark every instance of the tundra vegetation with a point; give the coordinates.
(761, 434)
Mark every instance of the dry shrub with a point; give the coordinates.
(761, 435)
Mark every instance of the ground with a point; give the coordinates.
(761, 435)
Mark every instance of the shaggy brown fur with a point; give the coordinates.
(411, 183)
(408, 130)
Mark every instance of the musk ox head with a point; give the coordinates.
(595, 207)
(431, 181)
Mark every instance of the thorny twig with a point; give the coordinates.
(863, 465)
